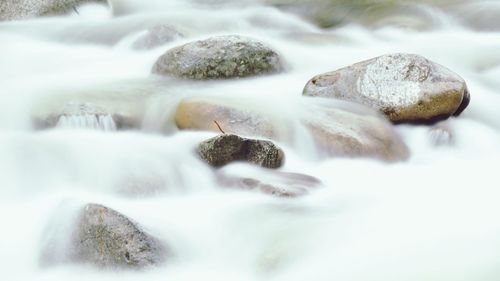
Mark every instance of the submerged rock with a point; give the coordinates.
(441, 134)
(406, 88)
(24, 9)
(85, 115)
(78, 115)
(276, 183)
(219, 57)
(407, 14)
(224, 149)
(201, 113)
(157, 36)
(106, 238)
(340, 132)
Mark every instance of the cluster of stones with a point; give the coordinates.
(405, 88)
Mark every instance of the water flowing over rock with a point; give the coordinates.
(200, 113)
(441, 134)
(275, 183)
(407, 88)
(77, 115)
(344, 133)
(219, 57)
(106, 238)
(23, 9)
(224, 149)
(157, 36)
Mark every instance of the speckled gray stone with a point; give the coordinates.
(219, 57)
(407, 88)
(24, 9)
(224, 149)
(106, 238)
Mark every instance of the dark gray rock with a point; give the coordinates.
(106, 238)
(407, 88)
(157, 36)
(219, 57)
(224, 149)
(24, 9)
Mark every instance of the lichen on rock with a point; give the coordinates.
(103, 237)
(24, 9)
(224, 149)
(220, 57)
(407, 88)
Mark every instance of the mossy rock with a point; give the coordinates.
(224, 149)
(221, 57)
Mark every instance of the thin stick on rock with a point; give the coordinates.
(218, 126)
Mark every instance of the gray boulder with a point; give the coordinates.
(407, 88)
(24, 9)
(106, 238)
(219, 57)
(157, 36)
(224, 149)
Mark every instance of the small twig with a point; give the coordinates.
(218, 126)
(76, 11)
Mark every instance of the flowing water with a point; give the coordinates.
(433, 217)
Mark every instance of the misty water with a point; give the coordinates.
(432, 217)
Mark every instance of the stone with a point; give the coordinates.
(275, 183)
(25, 9)
(341, 132)
(200, 113)
(224, 149)
(157, 36)
(220, 57)
(407, 88)
(106, 238)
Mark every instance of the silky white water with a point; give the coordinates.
(434, 217)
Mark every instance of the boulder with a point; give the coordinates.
(24, 9)
(275, 183)
(224, 149)
(106, 238)
(407, 88)
(200, 113)
(342, 132)
(219, 57)
(157, 36)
